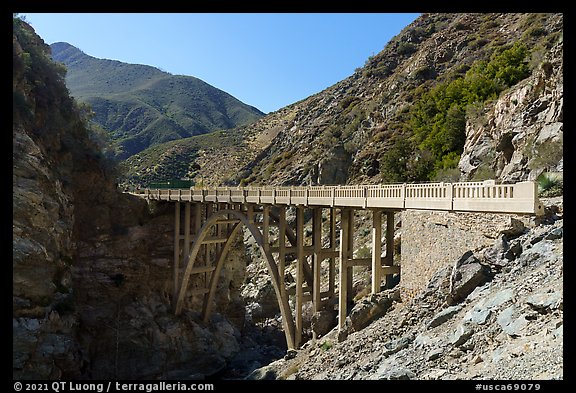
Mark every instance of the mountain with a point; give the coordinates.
(452, 96)
(142, 106)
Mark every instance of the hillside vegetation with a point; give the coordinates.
(407, 114)
(142, 106)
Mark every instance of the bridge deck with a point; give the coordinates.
(486, 196)
(208, 235)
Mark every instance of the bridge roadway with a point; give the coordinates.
(212, 219)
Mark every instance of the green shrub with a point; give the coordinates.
(536, 31)
(548, 154)
(326, 345)
(406, 48)
(347, 101)
(438, 117)
(550, 184)
(450, 175)
(483, 172)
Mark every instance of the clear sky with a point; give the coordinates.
(267, 60)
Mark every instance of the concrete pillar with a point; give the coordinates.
(282, 257)
(299, 273)
(266, 226)
(317, 259)
(282, 242)
(389, 259)
(176, 265)
(350, 248)
(197, 218)
(343, 285)
(186, 230)
(332, 267)
(376, 250)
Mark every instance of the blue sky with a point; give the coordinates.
(268, 60)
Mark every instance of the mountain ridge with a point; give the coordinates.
(142, 106)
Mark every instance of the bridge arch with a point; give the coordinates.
(277, 281)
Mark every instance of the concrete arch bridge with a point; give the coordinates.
(211, 217)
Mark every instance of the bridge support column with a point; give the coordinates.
(317, 261)
(389, 260)
(208, 246)
(299, 273)
(376, 250)
(266, 226)
(282, 254)
(197, 218)
(317, 258)
(350, 248)
(176, 264)
(186, 229)
(343, 285)
(332, 267)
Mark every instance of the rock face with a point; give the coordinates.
(468, 273)
(123, 298)
(521, 134)
(368, 310)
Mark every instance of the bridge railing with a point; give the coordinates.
(488, 196)
(389, 195)
(238, 195)
(465, 196)
(321, 195)
(437, 196)
(198, 194)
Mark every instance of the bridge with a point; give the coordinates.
(211, 219)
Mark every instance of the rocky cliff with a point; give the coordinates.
(350, 132)
(92, 266)
(520, 135)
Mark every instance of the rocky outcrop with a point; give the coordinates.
(123, 286)
(368, 310)
(520, 135)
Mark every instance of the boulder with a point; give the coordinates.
(468, 273)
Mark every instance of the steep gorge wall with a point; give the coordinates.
(343, 134)
(92, 268)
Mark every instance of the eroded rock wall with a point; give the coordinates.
(521, 134)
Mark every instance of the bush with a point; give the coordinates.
(451, 175)
(438, 117)
(483, 172)
(363, 252)
(347, 101)
(548, 155)
(326, 345)
(406, 48)
(550, 185)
